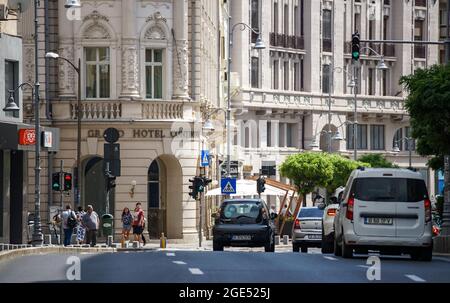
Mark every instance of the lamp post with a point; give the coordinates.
(56, 56)
(408, 141)
(258, 45)
(380, 66)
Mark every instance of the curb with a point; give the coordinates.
(11, 254)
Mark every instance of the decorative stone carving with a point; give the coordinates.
(252, 96)
(395, 105)
(307, 100)
(96, 31)
(276, 98)
(287, 99)
(155, 33)
(28, 56)
(297, 100)
(66, 72)
(130, 71)
(180, 79)
(96, 17)
(351, 103)
(366, 104)
(380, 105)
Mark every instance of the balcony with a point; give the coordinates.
(420, 51)
(112, 110)
(422, 3)
(286, 41)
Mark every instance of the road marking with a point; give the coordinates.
(363, 266)
(415, 278)
(170, 254)
(441, 259)
(196, 271)
(179, 262)
(330, 258)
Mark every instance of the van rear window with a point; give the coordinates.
(389, 189)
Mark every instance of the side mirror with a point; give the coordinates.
(321, 206)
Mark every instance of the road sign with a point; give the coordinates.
(205, 158)
(234, 166)
(228, 186)
(111, 135)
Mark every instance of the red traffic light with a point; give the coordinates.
(68, 177)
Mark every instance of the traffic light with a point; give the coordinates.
(260, 185)
(67, 181)
(110, 181)
(206, 181)
(56, 181)
(355, 46)
(199, 184)
(193, 193)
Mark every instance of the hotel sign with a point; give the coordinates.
(146, 133)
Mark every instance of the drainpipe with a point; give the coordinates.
(193, 50)
(47, 62)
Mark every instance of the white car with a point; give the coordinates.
(387, 210)
(328, 221)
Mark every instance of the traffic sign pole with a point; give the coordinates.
(61, 199)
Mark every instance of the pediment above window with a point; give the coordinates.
(96, 31)
(155, 33)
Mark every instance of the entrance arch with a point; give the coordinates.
(164, 197)
(324, 139)
(93, 191)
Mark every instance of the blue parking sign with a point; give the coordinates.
(228, 186)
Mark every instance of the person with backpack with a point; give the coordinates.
(69, 223)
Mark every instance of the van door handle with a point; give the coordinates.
(413, 207)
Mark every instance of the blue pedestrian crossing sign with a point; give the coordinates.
(228, 186)
(204, 158)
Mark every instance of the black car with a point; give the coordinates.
(244, 222)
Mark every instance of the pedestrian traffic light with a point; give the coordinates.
(193, 193)
(56, 181)
(199, 184)
(355, 46)
(67, 181)
(260, 185)
(110, 181)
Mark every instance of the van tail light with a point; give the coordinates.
(297, 224)
(427, 204)
(331, 212)
(436, 231)
(350, 206)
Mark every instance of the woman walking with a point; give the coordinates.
(81, 231)
(127, 219)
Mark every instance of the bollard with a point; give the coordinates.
(285, 239)
(162, 241)
(135, 244)
(277, 240)
(110, 241)
(49, 239)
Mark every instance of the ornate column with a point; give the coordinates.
(67, 81)
(180, 53)
(129, 55)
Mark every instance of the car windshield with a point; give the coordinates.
(310, 213)
(389, 189)
(242, 211)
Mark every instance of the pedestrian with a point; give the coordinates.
(69, 223)
(272, 209)
(143, 229)
(138, 222)
(127, 220)
(285, 211)
(81, 231)
(91, 223)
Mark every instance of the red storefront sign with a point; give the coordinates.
(27, 136)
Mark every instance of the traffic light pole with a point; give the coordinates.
(108, 190)
(61, 199)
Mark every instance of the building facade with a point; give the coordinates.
(150, 69)
(282, 104)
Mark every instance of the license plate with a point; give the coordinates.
(241, 238)
(379, 221)
(314, 237)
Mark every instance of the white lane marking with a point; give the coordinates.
(441, 259)
(330, 258)
(170, 254)
(363, 266)
(196, 271)
(415, 278)
(179, 262)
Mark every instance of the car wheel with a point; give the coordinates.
(217, 246)
(327, 246)
(304, 249)
(337, 248)
(295, 247)
(347, 250)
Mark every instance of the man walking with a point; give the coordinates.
(91, 223)
(138, 222)
(69, 223)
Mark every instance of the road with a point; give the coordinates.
(183, 266)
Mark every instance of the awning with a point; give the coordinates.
(248, 188)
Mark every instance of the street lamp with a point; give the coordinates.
(258, 45)
(72, 4)
(55, 56)
(11, 106)
(408, 141)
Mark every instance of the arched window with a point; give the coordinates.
(153, 185)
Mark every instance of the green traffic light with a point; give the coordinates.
(355, 55)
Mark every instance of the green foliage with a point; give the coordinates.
(308, 170)
(377, 161)
(428, 105)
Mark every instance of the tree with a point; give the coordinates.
(342, 168)
(428, 104)
(308, 170)
(377, 160)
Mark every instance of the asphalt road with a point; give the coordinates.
(182, 266)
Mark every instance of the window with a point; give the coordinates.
(301, 17)
(389, 189)
(408, 134)
(361, 132)
(276, 67)
(286, 75)
(398, 139)
(418, 30)
(371, 79)
(326, 30)
(357, 23)
(98, 75)
(153, 73)
(302, 83)
(326, 79)
(255, 72)
(385, 82)
(297, 77)
(269, 133)
(281, 133)
(290, 131)
(377, 137)
(286, 19)
(11, 83)
(255, 19)
(275, 17)
(296, 21)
